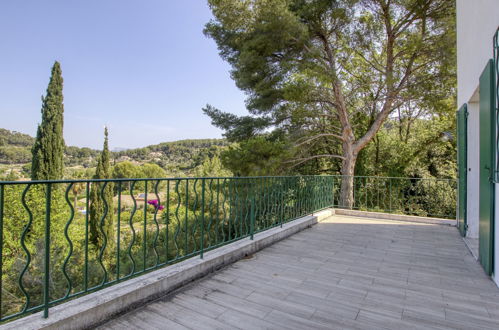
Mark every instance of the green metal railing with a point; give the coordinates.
(63, 239)
(427, 197)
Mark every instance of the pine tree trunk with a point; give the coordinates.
(347, 172)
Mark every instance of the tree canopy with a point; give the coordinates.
(332, 72)
(101, 201)
(48, 150)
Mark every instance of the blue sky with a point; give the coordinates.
(141, 67)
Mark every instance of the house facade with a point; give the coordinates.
(477, 73)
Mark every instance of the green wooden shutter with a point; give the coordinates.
(487, 150)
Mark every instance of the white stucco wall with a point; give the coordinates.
(477, 21)
(473, 185)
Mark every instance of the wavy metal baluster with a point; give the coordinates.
(244, 209)
(118, 233)
(217, 239)
(292, 198)
(144, 241)
(285, 200)
(23, 245)
(210, 208)
(366, 185)
(2, 192)
(130, 222)
(309, 195)
(224, 190)
(238, 208)
(314, 194)
(203, 188)
(273, 203)
(87, 211)
(322, 193)
(196, 216)
(302, 188)
(231, 201)
(46, 261)
(269, 203)
(247, 208)
(177, 230)
(167, 219)
(281, 201)
(265, 202)
(157, 224)
(70, 243)
(296, 186)
(186, 228)
(104, 235)
(261, 201)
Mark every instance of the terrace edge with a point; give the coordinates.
(396, 217)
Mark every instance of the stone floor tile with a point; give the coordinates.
(352, 273)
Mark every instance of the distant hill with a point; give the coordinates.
(183, 155)
(14, 138)
(180, 155)
(15, 148)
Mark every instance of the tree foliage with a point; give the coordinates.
(48, 150)
(332, 72)
(257, 156)
(101, 201)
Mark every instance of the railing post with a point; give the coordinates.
(46, 298)
(144, 243)
(202, 217)
(87, 210)
(390, 180)
(279, 209)
(332, 188)
(118, 229)
(1, 244)
(252, 217)
(281, 201)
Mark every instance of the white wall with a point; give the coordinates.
(473, 184)
(477, 21)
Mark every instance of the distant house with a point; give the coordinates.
(478, 75)
(140, 197)
(124, 159)
(155, 154)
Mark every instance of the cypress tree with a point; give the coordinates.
(97, 198)
(48, 150)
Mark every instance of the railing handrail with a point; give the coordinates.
(210, 178)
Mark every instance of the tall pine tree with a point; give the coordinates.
(99, 197)
(48, 150)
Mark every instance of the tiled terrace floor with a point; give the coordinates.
(342, 273)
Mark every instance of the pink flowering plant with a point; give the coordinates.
(155, 204)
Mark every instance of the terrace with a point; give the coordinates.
(344, 272)
(168, 261)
